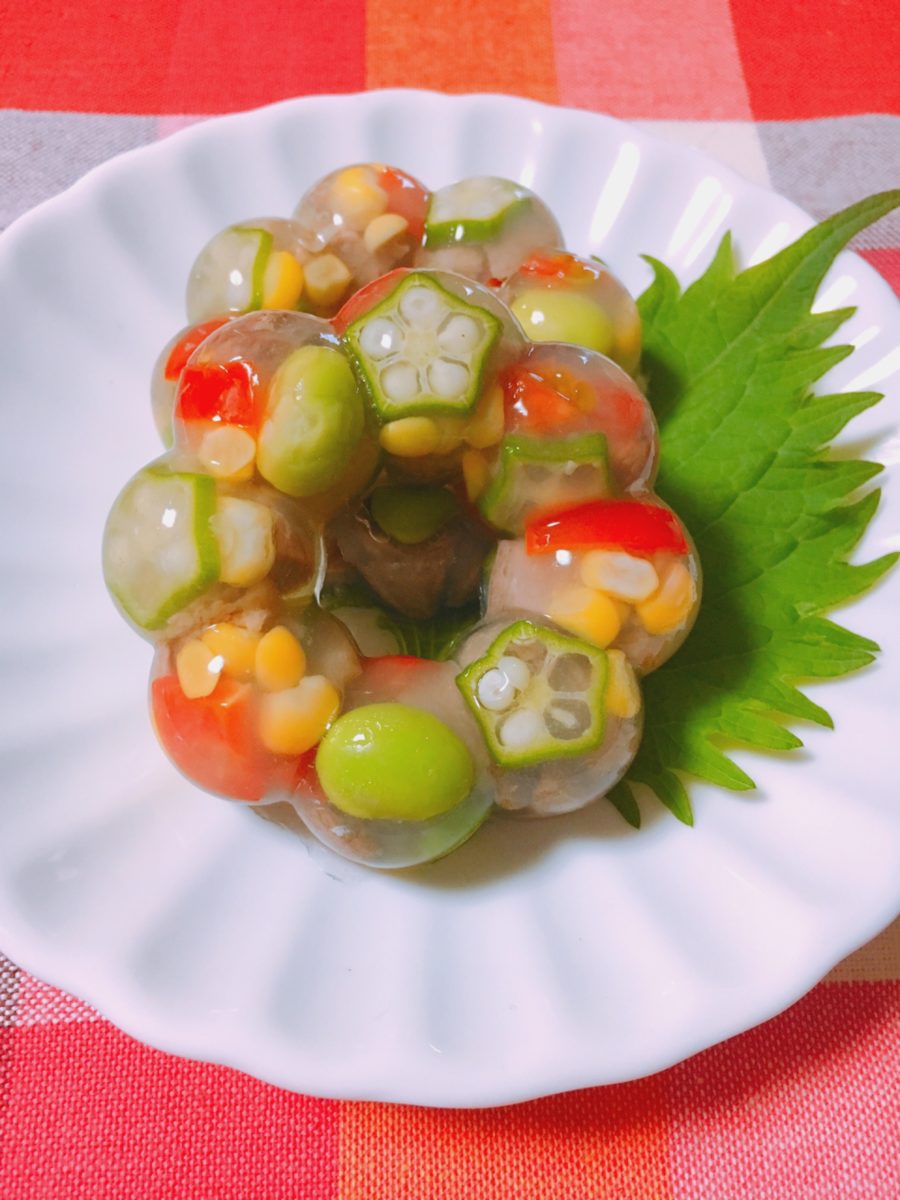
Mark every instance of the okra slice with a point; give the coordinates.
(160, 549)
(537, 695)
(473, 210)
(228, 273)
(423, 350)
(535, 474)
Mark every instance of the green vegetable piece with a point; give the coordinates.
(228, 274)
(313, 423)
(365, 763)
(473, 210)
(255, 272)
(537, 695)
(743, 450)
(422, 350)
(159, 548)
(538, 474)
(411, 515)
(556, 315)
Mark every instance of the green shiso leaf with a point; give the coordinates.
(730, 363)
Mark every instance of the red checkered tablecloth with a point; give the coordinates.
(801, 97)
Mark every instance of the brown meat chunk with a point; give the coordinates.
(443, 571)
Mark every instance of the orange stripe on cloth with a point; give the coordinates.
(659, 59)
(606, 1142)
(461, 46)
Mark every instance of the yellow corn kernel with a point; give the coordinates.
(383, 229)
(410, 437)
(669, 607)
(196, 669)
(293, 721)
(475, 473)
(246, 534)
(228, 453)
(621, 575)
(282, 281)
(327, 278)
(590, 614)
(280, 660)
(623, 696)
(357, 196)
(235, 646)
(486, 426)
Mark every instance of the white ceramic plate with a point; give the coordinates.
(542, 956)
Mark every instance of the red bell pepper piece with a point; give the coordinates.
(188, 343)
(213, 740)
(543, 402)
(226, 393)
(367, 297)
(406, 197)
(635, 526)
(552, 400)
(560, 267)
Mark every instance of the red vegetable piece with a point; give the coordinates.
(552, 400)
(534, 405)
(188, 343)
(560, 267)
(213, 739)
(406, 197)
(631, 525)
(222, 392)
(367, 297)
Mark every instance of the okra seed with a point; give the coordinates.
(422, 308)
(400, 382)
(447, 378)
(515, 671)
(496, 691)
(459, 334)
(520, 729)
(380, 338)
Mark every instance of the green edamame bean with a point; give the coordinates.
(365, 764)
(558, 316)
(412, 514)
(314, 421)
